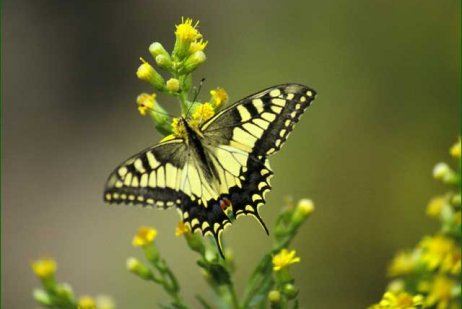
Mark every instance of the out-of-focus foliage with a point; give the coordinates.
(428, 275)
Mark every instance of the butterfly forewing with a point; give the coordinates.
(245, 134)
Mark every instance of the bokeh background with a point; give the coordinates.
(388, 78)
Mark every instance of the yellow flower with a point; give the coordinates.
(144, 237)
(201, 114)
(439, 251)
(219, 97)
(198, 45)
(178, 128)
(435, 206)
(401, 300)
(181, 229)
(86, 302)
(44, 268)
(455, 149)
(284, 258)
(186, 31)
(402, 263)
(441, 292)
(146, 72)
(145, 102)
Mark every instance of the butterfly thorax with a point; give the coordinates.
(193, 137)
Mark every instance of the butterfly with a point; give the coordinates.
(219, 170)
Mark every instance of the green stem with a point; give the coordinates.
(232, 293)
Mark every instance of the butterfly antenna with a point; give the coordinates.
(198, 90)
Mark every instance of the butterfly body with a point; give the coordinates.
(217, 170)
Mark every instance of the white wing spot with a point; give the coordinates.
(122, 171)
(245, 115)
(276, 109)
(275, 93)
(268, 116)
(139, 165)
(279, 102)
(152, 160)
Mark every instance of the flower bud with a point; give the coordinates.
(43, 298)
(194, 61)
(173, 85)
(443, 172)
(136, 267)
(65, 291)
(86, 302)
(157, 49)
(164, 62)
(303, 209)
(290, 290)
(44, 268)
(146, 72)
(274, 296)
(455, 150)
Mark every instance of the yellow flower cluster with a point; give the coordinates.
(145, 103)
(44, 268)
(86, 302)
(201, 114)
(400, 300)
(284, 259)
(144, 237)
(198, 45)
(455, 149)
(440, 252)
(433, 267)
(219, 97)
(186, 31)
(181, 229)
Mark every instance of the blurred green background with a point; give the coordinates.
(387, 75)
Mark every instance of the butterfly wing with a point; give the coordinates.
(151, 177)
(242, 136)
(169, 174)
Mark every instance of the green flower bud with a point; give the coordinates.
(443, 172)
(65, 291)
(290, 290)
(173, 85)
(136, 267)
(195, 242)
(193, 61)
(147, 73)
(305, 207)
(274, 296)
(164, 62)
(43, 298)
(157, 49)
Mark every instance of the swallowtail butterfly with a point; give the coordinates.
(219, 170)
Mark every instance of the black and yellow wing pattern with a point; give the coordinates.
(226, 173)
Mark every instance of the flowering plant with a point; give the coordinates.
(271, 283)
(428, 276)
